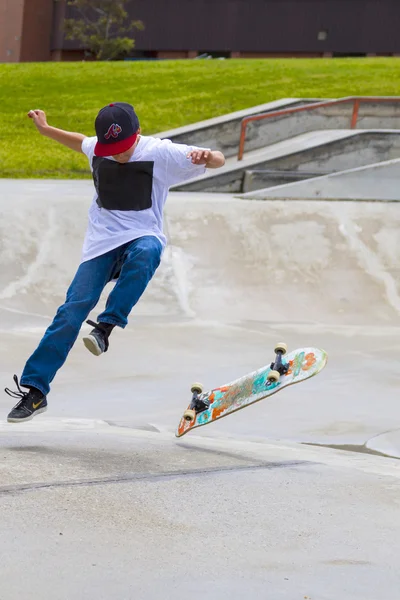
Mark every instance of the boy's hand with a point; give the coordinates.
(213, 159)
(200, 157)
(39, 118)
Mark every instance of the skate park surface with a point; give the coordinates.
(295, 497)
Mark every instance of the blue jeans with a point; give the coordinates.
(134, 264)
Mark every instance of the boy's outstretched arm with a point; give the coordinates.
(67, 138)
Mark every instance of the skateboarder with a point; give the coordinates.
(124, 240)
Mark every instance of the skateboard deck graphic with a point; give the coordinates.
(296, 366)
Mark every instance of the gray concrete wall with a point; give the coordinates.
(223, 133)
(375, 182)
(356, 150)
(372, 115)
(257, 179)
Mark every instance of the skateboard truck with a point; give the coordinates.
(197, 405)
(278, 368)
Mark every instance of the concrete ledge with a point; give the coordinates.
(324, 151)
(379, 182)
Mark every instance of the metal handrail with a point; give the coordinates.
(356, 100)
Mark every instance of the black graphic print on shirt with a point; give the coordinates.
(123, 186)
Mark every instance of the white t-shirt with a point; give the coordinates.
(109, 229)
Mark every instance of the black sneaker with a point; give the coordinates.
(97, 340)
(31, 403)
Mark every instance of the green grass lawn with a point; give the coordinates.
(166, 94)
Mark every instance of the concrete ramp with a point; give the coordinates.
(229, 260)
(379, 181)
(324, 151)
(236, 277)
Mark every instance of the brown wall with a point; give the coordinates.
(37, 30)
(268, 26)
(11, 17)
(182, 28)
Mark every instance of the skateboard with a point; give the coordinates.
(287, 369)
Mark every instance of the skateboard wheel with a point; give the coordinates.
(196, 387)
(280, 347)
(189, 415)
(273, 376)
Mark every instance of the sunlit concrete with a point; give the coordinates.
(100, 499)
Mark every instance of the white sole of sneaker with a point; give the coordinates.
(37, 412)
(92, 345)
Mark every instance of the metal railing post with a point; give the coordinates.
(354, 117)
(242, 139)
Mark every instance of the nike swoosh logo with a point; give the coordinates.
(35, 406)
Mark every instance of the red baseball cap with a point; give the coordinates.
(116, 128)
